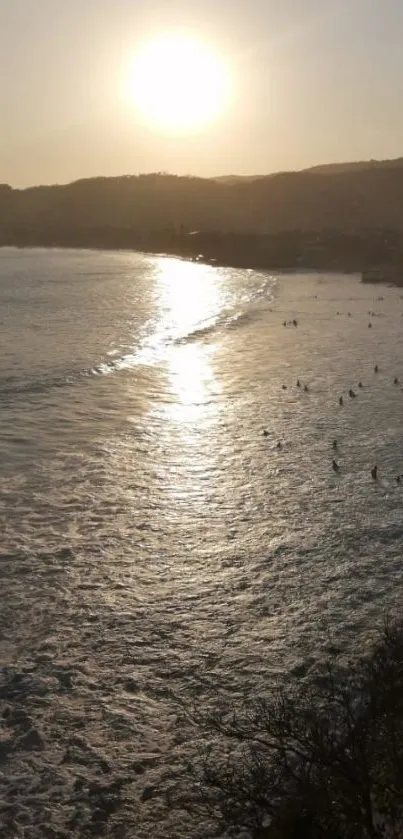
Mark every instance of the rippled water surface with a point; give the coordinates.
(153, 540)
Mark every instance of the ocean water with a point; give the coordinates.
(154, 543)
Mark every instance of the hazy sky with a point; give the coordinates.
(315, 81)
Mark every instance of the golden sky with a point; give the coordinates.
(303, 82)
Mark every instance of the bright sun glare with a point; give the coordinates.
(178, 85)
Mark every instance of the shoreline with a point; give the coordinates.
(199, 259)
(394, 280)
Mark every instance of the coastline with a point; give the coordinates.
(388, 274)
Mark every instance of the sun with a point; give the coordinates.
(178, 85)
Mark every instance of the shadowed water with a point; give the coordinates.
(152, 538)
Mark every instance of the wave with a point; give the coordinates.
(234, 321)
(248, 310)
(13, 387)
(244, 312)
(150, 351)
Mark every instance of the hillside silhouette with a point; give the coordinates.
(264, 221)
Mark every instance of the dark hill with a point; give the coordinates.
(360, 197)
(347, 217)
(332, 168)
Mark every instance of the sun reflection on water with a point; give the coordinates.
(190, 296)
(193, 384)
(190, 303)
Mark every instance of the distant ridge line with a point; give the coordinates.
(122, 211)
(320, 169)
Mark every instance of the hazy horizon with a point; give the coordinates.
(218, 176)
(309, 86)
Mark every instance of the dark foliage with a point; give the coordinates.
(323, 760)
